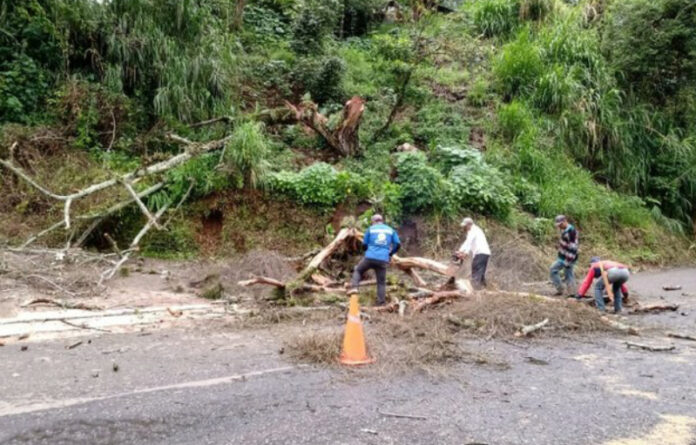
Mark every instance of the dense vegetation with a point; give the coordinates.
(520, 109)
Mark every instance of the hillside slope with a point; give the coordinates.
(511, 110)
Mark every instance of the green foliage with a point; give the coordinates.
(315, 22)
(496, 17)
(423, 188)
(502, 17)
(518, 66)
(319, 185)
(322, 78)
(440, 123)
(446, 158)
(482, 188)
(514, 119)
(246, 155)
(651, 45)
(478, 95)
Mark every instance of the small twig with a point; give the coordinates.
(52, 284)
(114, 245)
(226, 119)
(402, 416)
(63, 304)
(681, 336)
(113, 132)
(650, 348)
(82, 326)
(74, 345)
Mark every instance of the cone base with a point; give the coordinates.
(353, 362)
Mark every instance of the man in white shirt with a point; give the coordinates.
(475, 246)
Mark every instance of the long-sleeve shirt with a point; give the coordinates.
(568, 245)
(381, 242)
(476, 243)
(596, 272)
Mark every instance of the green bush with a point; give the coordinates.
(322, 78)
(482, 188)
(518, 66)
(496, 17)
(423, 188)
(315, 22)
(651, 44)
(446, 158)
(319, 185)
(246, 155)
(514, 119)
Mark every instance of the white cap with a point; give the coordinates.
(466, 221)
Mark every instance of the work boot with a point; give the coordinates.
(559, 292)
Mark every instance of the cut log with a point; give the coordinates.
(261, 280)
(654, 308)
(620, 326)
(319, 258)
(415, 276)
(323, 280)
(527, 330)
(650, 348)
(420, 263)
(437, 297)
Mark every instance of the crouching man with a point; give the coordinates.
(612, 277)
(380, 242)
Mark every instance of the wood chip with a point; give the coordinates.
(671, 287)
(74, 345)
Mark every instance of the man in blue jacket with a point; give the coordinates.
(380, 242)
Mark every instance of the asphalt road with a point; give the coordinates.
(218, 384)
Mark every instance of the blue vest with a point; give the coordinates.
(381, 241)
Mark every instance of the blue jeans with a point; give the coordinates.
(616, 278)
(569, 278)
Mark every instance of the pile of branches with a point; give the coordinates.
(315, 278)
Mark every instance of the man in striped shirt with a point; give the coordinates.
(567, 257)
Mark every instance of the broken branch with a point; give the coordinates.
(529, 329)
(649, 348)
(62, 304)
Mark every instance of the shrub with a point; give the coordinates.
(423, 188)
(478, 94)
(440, 123)
(496, 17)
(513, 119)
(651, 44)
(535, 9)
(518, 66)
(482, 188)
(319, 185)
(246, 155)
(446, 158)
(313, 25)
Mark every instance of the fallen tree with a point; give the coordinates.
(127, 181)
(309, 279)
(344, 138)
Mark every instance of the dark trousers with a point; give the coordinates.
(478, 270)
(380, 268)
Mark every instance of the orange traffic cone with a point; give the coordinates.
(354, 352)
